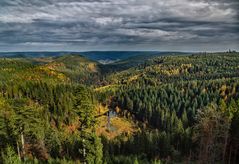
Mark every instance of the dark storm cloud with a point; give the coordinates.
(121, 24)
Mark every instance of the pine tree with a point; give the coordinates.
(185, 118)
(84, 107)
(211, 132)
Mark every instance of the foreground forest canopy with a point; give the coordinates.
(144, 109)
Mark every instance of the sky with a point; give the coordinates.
(86, 25)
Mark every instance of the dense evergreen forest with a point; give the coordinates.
(161, 109)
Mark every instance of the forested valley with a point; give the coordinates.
(171, 108)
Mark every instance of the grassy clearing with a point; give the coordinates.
(118, 126)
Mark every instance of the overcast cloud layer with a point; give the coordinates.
(78, 25)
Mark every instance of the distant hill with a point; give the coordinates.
(104, 57)
(115, 55)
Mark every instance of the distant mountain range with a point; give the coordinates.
(104, 57)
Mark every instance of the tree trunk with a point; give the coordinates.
(23, 145)
(225, 148)
(235, 155)
(230, 155)
(18, 152)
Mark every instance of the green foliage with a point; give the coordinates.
(10, 157)
(91, 148)
(84, 107)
